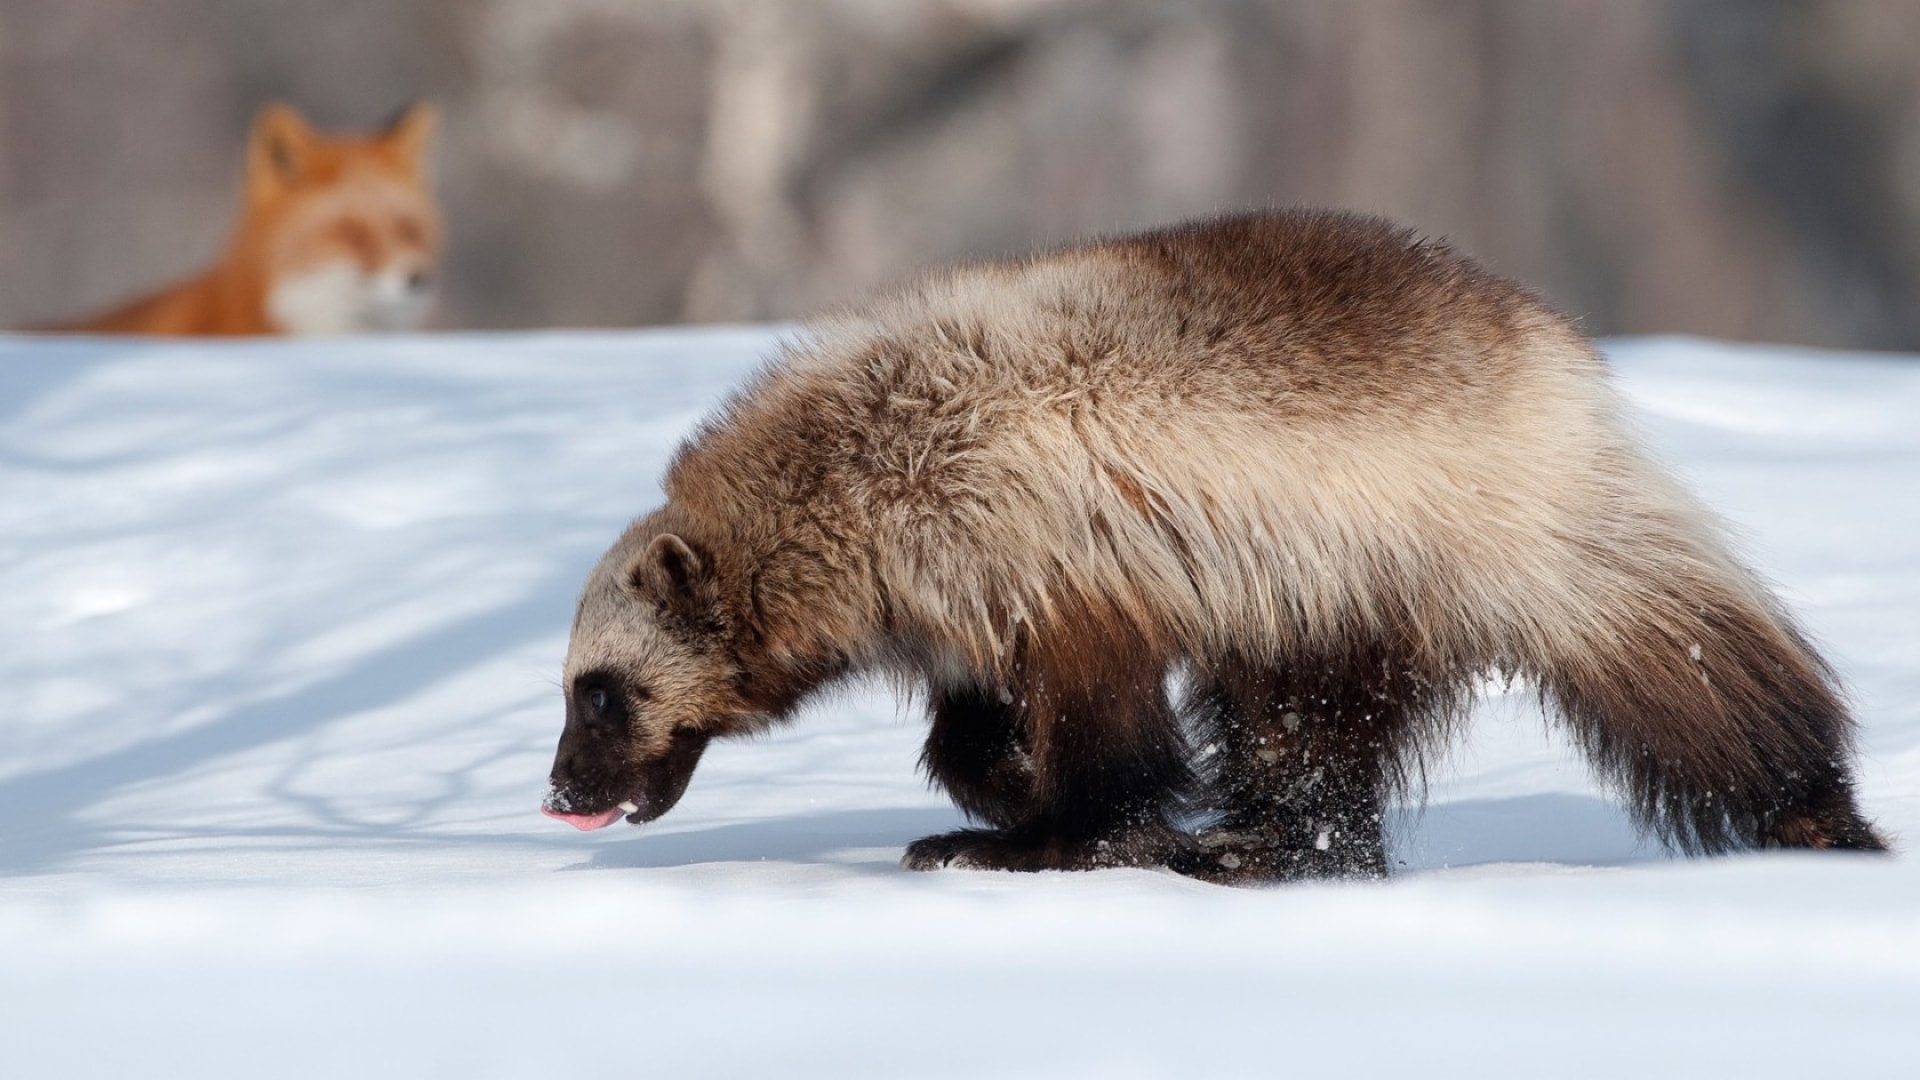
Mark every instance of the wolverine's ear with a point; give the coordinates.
(410, 132)
(671, 572)
(278, 151)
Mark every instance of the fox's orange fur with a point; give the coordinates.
(336, 234)
(1331, 472)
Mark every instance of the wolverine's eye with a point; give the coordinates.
(598, 698)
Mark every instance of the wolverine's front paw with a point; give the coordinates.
(1026, 849)
(968, 849)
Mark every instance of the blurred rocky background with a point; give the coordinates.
(1739, 168)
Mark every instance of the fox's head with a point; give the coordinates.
(344, 226)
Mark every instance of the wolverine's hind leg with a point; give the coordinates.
(1299, 762)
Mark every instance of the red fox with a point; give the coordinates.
(338, 234)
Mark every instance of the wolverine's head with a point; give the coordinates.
(652, 675)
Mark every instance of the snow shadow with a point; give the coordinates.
(43, 812)
(33, 367)
(1570, 830)
(828, 837)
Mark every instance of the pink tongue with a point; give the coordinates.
(584, 822)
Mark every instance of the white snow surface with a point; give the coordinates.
(280, 632)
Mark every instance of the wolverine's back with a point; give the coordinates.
(1255, 428)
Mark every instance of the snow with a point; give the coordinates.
(280, 626)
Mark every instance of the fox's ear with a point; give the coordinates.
(279, 151)
(410, 133)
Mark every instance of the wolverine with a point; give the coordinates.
(1322, 476)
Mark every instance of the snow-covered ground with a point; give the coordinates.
(280, 627)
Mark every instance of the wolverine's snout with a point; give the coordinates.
(591, 787)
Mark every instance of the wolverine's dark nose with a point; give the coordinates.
(571, 762)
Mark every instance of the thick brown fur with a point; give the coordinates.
(1333, 473)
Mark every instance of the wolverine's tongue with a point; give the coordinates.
(584, 822)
